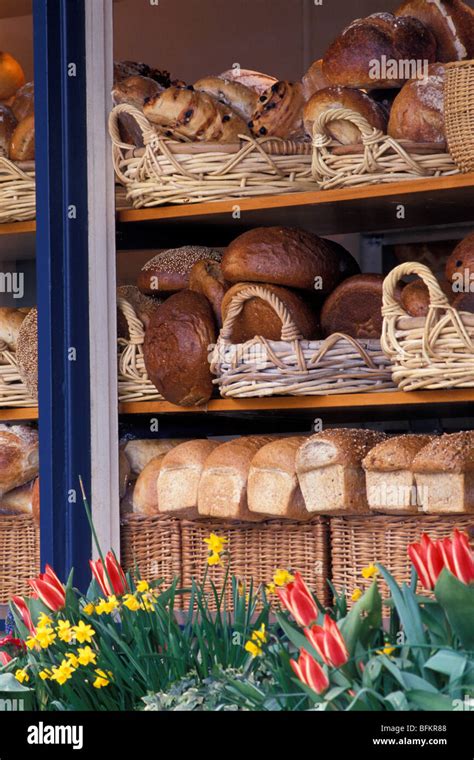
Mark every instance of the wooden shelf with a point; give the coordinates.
(18, 228)
(22, 413)
(363, 401)
(14, 8)
(372, 208)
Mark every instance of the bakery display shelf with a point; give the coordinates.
(18, 228)
(449, 200)
(22, 413)
(349, 401)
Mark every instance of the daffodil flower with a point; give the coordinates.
(388, 650)
(214, 559)
(101, 680)
(86, 656)
(356, 594)
(142, 586)
(45, 637)
(131, 602)
(83, 632)
(253, 649)
(216, 543)
(22, 676)
(282, 577)
(64, 631)
(43, 621)
(370, 572)
(89, 609)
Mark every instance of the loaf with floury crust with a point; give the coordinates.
(11, 321)
(279, 112)
(19, 457)
(444, 474)
(223, 486)
(330, 473)
(450, 21)
(141, 451)
(255, 80)
(356, 57)
(273, 488)
(179, 477)
(343, 131)
(391, 486)
(235, 95)
(23, 500)
(417, 112)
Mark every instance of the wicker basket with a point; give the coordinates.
(19, 555)
(293, 366)
(153, 545)
(17, 191)
(459, 113)
(171, 171)
(13, 391)
(133, 382)
(257, 550)
(427, 353)
(357, 542)
(379, 159)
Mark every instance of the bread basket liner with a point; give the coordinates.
(169, 171)
(294, 366)
(17, 191)
(427, 353)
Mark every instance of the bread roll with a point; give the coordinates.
(390, 482)
(314, 79)
(418, 110)
(22, 143)
(27, 352)
(145, 493)
(24, 102)
(444, 474)
(176, 349)
(18, 456)
(259, 318)
(284, 256)
(125, 69)
(355, 307)
(20, 501)
(179, 477)
(206, 278)
(7, 127)
(11, 321)
(279, 112)
(415, 298)
(223, 486)
(168, 271)
(329, 469)
(253, 79)
(237, 96)
(135, 91)
(450, 21)
(273, 487)
(11, 76)
(141, 451)
(343, 97)
(460, 265)
(354, 59)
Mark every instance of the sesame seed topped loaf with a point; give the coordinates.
(169, 270)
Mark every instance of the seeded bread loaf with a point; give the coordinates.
(169, 271)
(391, 486)
(329, 469)
(444, 474)
(179, 477)
(273, 487)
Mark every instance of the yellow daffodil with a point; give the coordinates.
(215, 543)
(370, 572)
(64, 631)
(260, 635)
(72, 658)
(22, 676)
(147, 603)
(131, 602)
(356, 594)
(101, 680)
(45, 675)
(83, 632)
(282, 577)
(45, 637)
(62, 673)
(43, 621)
(253, 649)
(86, 656)
(89, 609)
(106, 606)
(270, 588)
(31, 643)
(143, 586)
(214, 559)
(388, 650)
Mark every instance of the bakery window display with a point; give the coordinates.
(18, 357)
(17, 143)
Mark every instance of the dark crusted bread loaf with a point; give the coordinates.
(355, 307)
(451, 22)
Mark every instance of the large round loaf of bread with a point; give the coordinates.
(19, 459)
(176, 348)
(450, 21)
(355, 307)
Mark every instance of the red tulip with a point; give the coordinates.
(328, 642)
(5, 658)
(10, 641)
(24, 613)
(49, 589)
(430, 557)
(310, 672)
(111, 579)
(298, 600)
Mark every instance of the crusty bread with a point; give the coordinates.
(19, 459)
(233, 94)
(390, 482)
(444, 474)
(135, 91)
(279, 112)
(329, 468)
(450, 21)
(343, 97)
(255, 80)
(273, 487)
(24, 102)
(145, 493)
(223, 486)
(355, 307)
(314, 79)
(460, 263)
(417, 112)
(8, 124)
(21, 501)
(139, 452)
(22, 143)
(10, 322)
(179, 477)
(168, 271)
(12, 76)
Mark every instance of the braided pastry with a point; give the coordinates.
(279, 112)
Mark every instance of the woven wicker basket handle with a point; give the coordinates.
(145, 126)
(320, 129)
(136, 328)
(333, 339)
(390, 304)
(289, 330)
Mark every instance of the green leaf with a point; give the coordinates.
(448, 662)
(457, 600)
(398, 700)
(409, 613)
(430, 701)
(294, 635)
(365, 614)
